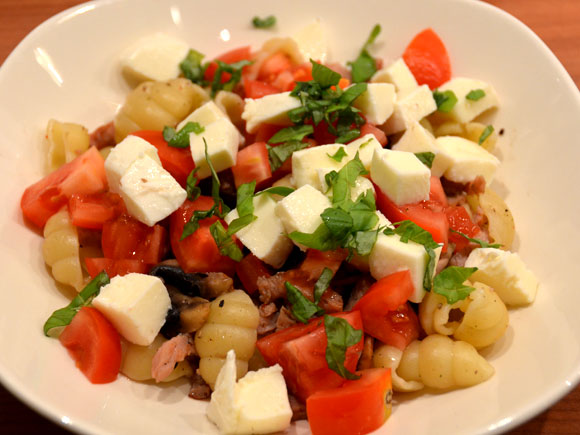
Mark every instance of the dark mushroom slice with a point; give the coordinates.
(207, 285)
(187, 313)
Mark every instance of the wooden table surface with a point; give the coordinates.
(557, 22)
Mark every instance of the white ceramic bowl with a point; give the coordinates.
(68, 69)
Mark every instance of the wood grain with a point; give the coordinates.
(555, 21)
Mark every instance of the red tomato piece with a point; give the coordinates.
(371, 129)
(427, 58)
(258, 89)
(321, 134)
(83, 175)
(115, 267)
(459, 220)
(273, 66)
(94, 344)
(252, 164)
(436, 192)
(198, 252)
(92, 211)
(266, 131)
(380, 310)
(232, 56)
(316, 261)
(355, 408)
(177, 161)
(304, 363)
(249, 270)
(127, 238)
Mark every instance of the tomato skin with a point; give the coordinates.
(92, 211)
(83, 175)
(127, 238)
(428, 60)
(436, 192)
(270, 345)
(316, 261)
(94, 344)
(232, 56)
(273, 66)
(371, 129)
(249, 270)
(252, 163)
(177, 161)
(381, 311)
(115, 267)
(355, 408)
(266, 131)
(459, 220)
(198, 252)
(258, 89)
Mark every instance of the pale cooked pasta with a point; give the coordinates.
(66, 141)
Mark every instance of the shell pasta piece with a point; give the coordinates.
(389, 357)
(66, 141)
(232, 105)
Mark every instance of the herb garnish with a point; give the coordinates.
(363, 68)
(487, 131)
(445, 100)
(338, 155)
(449, 283)
(340, 335)
(192, 68)
(264, 23)
(235, 71)
(322, 283)
(180, 139)
(475, 94)
(481, 243)
(426, 158)
(193, 191)
(302, 308)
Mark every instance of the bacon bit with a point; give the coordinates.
(285, 319)
(103, 137)
(169, 354)
(366, 358)
(199, 390)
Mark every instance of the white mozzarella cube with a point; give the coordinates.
(399, 74)
(123, 155)
(413, 106)
(377, 102)
(417, 139)
(265, 237)
(466, 110)
(150, 192)
(271, 109)
(257, 404)
(307, 162)
(312, 41)
(365, 146)
(223, 140)
(506, 273)
(467, 159)
(390, 255)
(136, 305)
(204, 115)
(301, 210)
(156, 57)
(401, 176)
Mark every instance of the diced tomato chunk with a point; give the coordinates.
(83, 175)
(266, 131)
(94, 344)
(249, 270)
(436, 192)
(316, 261)
(371, 129)
(355, 408)
(232, 56)
(177, 161)
(252, 164)
(115, 267)
(273, 66)
(92, 211)
(258, 89)
(459, 220)
(127, 238)
(270, 345)
(427, 58)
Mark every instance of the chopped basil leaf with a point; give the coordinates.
(61, 318)
(245, 199)
(322, 283)
(363, 68)
(180, 139)
(485, 134)
(279, 154)
(235, 71)
(277, 190)
(302, 308)
(426, 158)
(226, 245)
(445, 100)
(449, 283)
(352, 93)
(192, 68)
(321, 239)
(323, 75)
(481, 243)
(348, 136)
(193, 191)
(338, 222)
(475, 94)
(364, 241)
(296, 132)
(264, 23)
(239, 223)
(338, 155)
(345, 179)
(340, 335)
(330, 178)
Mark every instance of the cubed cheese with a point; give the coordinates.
(467, 159)
(377, 102)
(312, 41)
(506, 273)
(265, 237)
(390, 255)
(401, 176)
(150, 192)
(271, 109)
(257, 404)
(306, 162)
(466, 110)
(223, 139)
(399, 74)
(123, 155)
(156, 57)
(301, 210)
(417, 139)
(410, 107)
(136, 305)
(365, 146)
(204, 115)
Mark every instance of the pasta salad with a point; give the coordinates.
(299, 238)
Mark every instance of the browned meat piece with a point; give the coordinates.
(216, 284)
(285, 319)
(298, 408)
(169, 354)
(104, 136)
(268, 317)
(444, 259)
(366, 359)
(459, 258)
(199, 389)
(360, 288)
(271, 287)
(476, 187)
